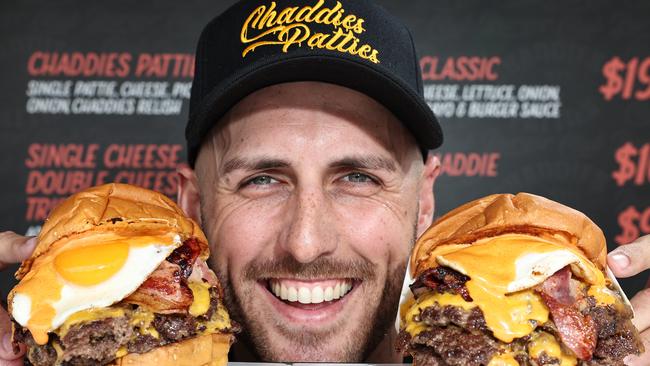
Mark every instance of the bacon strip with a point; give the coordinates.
(185, 256)
(577, 331)
(558, 287)
(201, 272)
(442, 279)
(165, 291)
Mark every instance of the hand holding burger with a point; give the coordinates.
(119, 277)
(515, 280)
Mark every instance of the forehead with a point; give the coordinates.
(301, 117)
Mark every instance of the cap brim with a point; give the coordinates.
(408, 106)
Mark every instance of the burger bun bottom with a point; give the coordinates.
(204, 350)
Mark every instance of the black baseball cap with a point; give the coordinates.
(352, 43)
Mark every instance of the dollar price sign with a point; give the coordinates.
(614, 81)
(626, 222)
(626, 166)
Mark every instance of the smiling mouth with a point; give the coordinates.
(297, 292)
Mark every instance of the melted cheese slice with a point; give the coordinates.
(220, 320)
(89, 316)
(142, 318)
(201, 302)
(508, 316)
(544, 342)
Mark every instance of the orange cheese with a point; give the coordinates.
(544, 342)
(494, 265)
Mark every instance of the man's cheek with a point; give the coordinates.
(374, 233)
(248, 222)
(239, 234)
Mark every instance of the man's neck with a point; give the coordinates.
(384, 352)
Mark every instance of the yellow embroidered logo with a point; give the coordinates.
(290, 26)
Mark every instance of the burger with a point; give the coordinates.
(119, 277)
(515, 280)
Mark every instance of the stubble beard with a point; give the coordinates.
(301, 345)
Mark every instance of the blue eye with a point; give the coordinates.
(357, 177)
(261, 180)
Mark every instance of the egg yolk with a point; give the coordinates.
(90, 265)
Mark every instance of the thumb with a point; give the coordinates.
(15, 248)
(630, 259)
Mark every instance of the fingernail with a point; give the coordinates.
(621, 260)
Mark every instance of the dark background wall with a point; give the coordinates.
(548, 98)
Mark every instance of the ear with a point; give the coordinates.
(426, 198)
(188, 192)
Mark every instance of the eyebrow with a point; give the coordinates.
(371, 162)
(253, 164)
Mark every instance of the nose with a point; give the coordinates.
(309, 234)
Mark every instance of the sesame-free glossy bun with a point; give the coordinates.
(113, 207)
(500, 214)
(205, 350)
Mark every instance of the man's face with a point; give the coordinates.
(309, 198)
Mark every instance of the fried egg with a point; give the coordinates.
(517, 262)
(95, 271)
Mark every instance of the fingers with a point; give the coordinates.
(8, 355)
(641, 305)
(15, 248)
(644, 358)
(630, 259)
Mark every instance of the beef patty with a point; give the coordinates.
(97, 342)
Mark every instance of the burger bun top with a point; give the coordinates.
(500, 214)
(114, 207)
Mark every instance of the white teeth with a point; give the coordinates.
(329, 294)
(305, 295)
(293, 294)
(337, 291)
(316, 295)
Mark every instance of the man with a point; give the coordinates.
(312, 181)
(308, 141)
